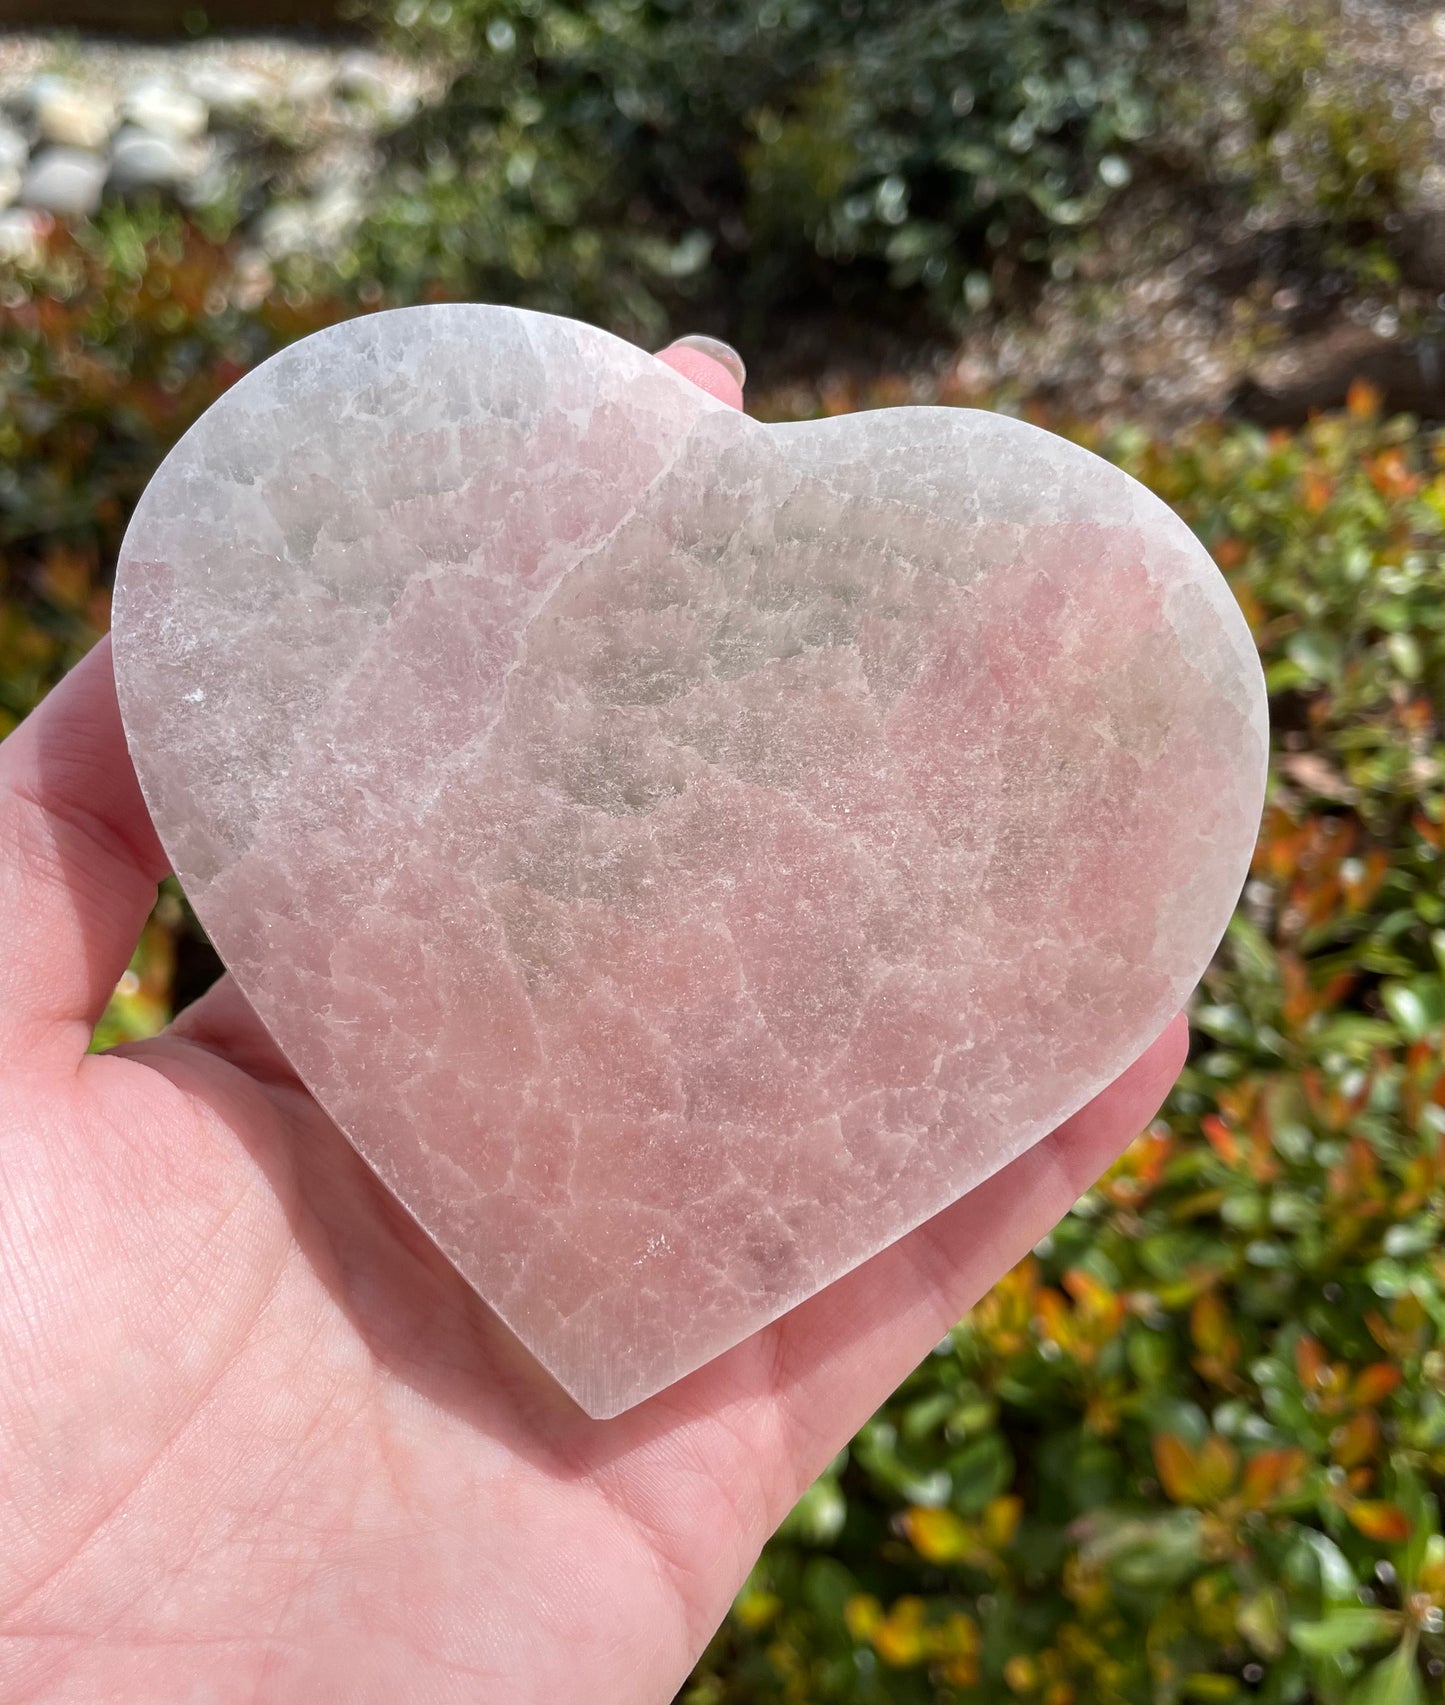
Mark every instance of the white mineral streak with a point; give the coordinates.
(682, 854)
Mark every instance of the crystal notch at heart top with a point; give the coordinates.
(682, 854)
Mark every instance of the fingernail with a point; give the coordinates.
(715, 350)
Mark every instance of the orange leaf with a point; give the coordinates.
(1356, 1440)
(1310, 1363)
(1209, 1324)
(1363, 400)
(1221, 1139)
(1175, 1462)
(1376, 1383)
(1218, 1463)
(1091, 1294)
(1317, 490)
(1195, 1477)
(901, 1638)
(1390, 474)
(1271, 1474)
(1055, 1319)
(1385, 1522)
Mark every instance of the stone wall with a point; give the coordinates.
(282, 130)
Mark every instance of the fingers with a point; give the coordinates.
(79, 865)
(836, 1358)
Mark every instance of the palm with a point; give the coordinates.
(258, 1440)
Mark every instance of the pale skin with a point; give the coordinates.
(258, 1441)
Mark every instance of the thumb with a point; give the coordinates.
(712, 366)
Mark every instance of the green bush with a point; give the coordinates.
(130, 328)
(1193, 1448)
(625, 159)
(1295, 118)
(646, 163)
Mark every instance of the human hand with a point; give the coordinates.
(258, 1441)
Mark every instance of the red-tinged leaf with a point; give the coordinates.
(1178, 1473)
(1316, 490)
(1380, 1329)
(1209, 1325)
(1221, 1139)
(1356, 1440)
(1216, 1466)
(1391, 475)
(1055, 1319)
(1364, 400)
(1376, 1383)
(1310, 1363)
(1091, 1294)
(1272, 1474)
(1380, 1521)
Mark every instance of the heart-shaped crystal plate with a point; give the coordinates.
(682, 854)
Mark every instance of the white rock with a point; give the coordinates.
(22, 236)
(165, 110)
(217, 178)
(232, 93)
(70, 116)
(140, 160)
(336, 211)
(284, 228)
(14, 149)
(363, 77)
(66, 181)
(309, 86)
(314, 226)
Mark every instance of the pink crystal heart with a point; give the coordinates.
(682, 854)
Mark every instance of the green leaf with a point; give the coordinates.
(817, 1517)
(980, 1472)
(1344, 1631)
(1317, 1561)
(1423, 1510)
(1404, 650)
(1261, 1619)
(1418, 1006)
(1252, 949)
(1150, 1553)
(1315, 654)
(1395, 1681)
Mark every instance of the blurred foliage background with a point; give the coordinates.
(1193, 1448)
(637, 159)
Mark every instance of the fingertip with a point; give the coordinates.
(1164, 1058)
(1088, 1143)
(1137, 1094)
(711, 366)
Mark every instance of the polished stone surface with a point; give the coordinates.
(682, 854)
